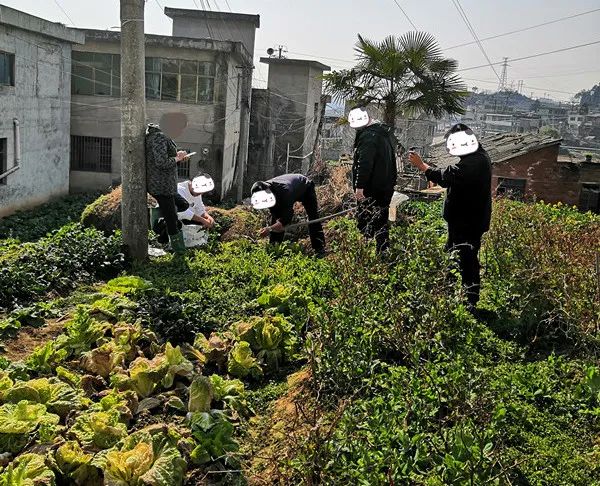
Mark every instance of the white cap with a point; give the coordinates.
(263, 199)
(358, 118)
(462, 143)
(203, 183)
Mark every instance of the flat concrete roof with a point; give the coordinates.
(210, 15)
(295, 62)
(154, 40)
(24, 21)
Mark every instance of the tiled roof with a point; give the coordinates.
(500, 147)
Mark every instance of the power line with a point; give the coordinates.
(406, 15)
(504, 34)
(513, 59)
(64, 12)
(463, 15)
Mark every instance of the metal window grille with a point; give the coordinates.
(3, 159)
(93, 154)
(183, 169)
(513, 188)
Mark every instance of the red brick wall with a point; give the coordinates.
(547, 179)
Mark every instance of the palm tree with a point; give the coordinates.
(407, 76)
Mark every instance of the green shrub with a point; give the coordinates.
(57, 263)
(33, 224)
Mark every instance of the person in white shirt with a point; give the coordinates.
(196, 212)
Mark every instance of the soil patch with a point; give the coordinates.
(28, 338)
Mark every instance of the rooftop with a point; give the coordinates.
(210, 15)
(24, 21)
(154, 40)
(295, 62)
(500, 147)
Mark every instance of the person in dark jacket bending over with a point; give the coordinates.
(468, 204)
(162, 158)
(374, 175)
(279, 195)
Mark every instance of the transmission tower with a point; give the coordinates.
(502, 85)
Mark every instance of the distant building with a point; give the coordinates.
(526, 166)
(200, 78)
(497, 123)
(35, 62)
(285, 118)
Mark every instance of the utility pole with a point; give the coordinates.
(503, 76)
(244, 128)
(134, 210)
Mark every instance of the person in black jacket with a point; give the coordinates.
(468, 204)
(288, 189)
(374, 175)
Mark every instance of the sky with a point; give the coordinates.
(326, 30)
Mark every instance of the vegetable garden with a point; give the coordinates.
(247, 364)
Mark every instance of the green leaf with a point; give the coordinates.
(241, 361)
(200, 395)
(178, 365)
(100, 430)
(28, 470)
(19, 421)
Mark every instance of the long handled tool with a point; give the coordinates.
(318, 220)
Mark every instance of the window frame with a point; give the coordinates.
(512, 191)
(204, 70)
(11, 68)
(589, 187)
(78, 151)
(114, 72)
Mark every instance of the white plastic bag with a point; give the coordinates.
(397, 199)
(194, 235)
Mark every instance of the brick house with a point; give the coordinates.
(526, 166)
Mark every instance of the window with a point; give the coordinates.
(3, 159)
(95, 73)
(183, 169)
(91, 154)
(7, 69)
(180, 80)
(589, 197)
(512, 188)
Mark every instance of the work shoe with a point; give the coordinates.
(177, 243)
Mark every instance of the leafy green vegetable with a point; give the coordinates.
(5, 382)
(148, 457)
(103, 360)
(241, 361)
(44, 359)
(125, 403)
(230, 392)
(200, 395)
(100, 430)
(28, 470)
(213, 433)
(83, 332)
(19, 421)
(74, 463)
(145, 374)
(58, 397)
(269, 336)
(68, 376)
(178, 365)
(126, 285)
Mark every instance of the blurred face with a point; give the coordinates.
(462, 143)
(173, 124)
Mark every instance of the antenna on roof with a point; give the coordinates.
(280, 49)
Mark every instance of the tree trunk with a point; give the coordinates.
(389, 113)
(134, 209)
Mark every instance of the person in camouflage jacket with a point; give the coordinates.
(162, 158)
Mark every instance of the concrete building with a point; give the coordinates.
(35, 62)
(200, 79)
(295, 108)
(497, 123)
(527, 166)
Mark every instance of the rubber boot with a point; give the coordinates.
(154, 217)
(177, 243)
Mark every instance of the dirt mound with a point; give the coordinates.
(105, 212)
(238, 222)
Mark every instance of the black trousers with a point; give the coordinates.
(315, 230)
(467, 243)
(169, 207)
(372, 218)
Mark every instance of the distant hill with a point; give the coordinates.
(504, 100)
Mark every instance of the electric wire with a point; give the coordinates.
(406, 15)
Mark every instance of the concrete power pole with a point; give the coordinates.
(244, 129)
(134, 210)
